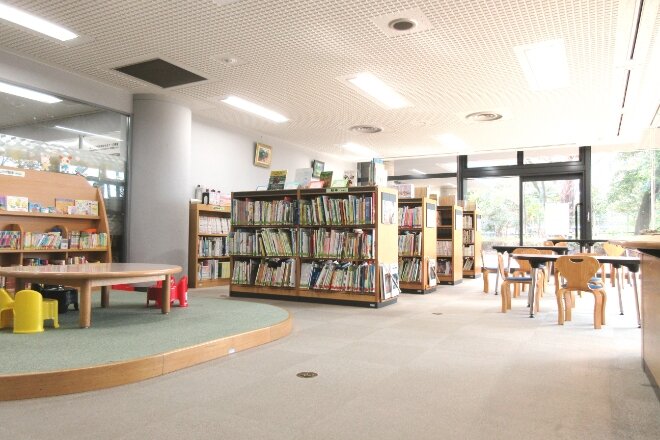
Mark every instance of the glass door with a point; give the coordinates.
(550, 208)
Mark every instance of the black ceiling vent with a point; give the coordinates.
(160, 73)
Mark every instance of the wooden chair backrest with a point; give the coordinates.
(524, 264)
(613, 250)
(578, 270)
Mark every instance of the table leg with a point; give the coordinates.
(85, 304)
(165, 298)
(497, 280)
(633, 275)
(532, 288)
(618, 287)
(105, 296)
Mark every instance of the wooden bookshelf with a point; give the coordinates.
(417, 232)
(208, 246)
(43, 188)
(471, 244)
(280, 239)
(449, 244)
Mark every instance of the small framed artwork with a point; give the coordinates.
(317, 168)
(262, 155)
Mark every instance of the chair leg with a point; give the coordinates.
(560, 307)
(598, 309)
(612, 276)
(485, 277)
(602, 307)
(568, 301)
(505, 293)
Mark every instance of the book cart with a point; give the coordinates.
(333, 245)
(40, 238)
(449, 244)
(417, 246)
(208, 253)
(471, 244)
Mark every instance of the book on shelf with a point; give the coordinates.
(432, 268)
(214, 225)
(326, 178)
(337, 276)
(325, 210)
(323, 243)
(389, 280)
(410, 243)
(468, 264)
(406, 190)
(410, 216)
(444, 267)
(10, 239)
(277, 179)
(17, 203)
(263, 212)
(410, 270)
(303, 176)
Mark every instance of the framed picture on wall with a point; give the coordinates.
(317, 168)
(262, 155)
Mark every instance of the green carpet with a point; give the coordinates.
(127, 330)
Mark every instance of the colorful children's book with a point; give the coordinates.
(62, 205)
(277, 179)
(326, 178)
(17, 203)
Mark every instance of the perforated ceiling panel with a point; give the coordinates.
(293, 51)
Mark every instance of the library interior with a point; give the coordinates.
(377, 219)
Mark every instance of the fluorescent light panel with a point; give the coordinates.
(450, 140)
(544, 64)
(381, 92)
(35, 23)
(416, 171)
(73, 130)
(360, 150)
(27, 93)
(255, 109)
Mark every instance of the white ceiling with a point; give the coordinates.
(291, 53)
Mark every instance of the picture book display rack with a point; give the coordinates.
(38, 237)
(417, 245)
(449, 244)
(208, 253)
(333, 245)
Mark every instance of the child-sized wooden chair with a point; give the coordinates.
(579, 272)
(517, 280)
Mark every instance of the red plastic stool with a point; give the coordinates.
(177, 292)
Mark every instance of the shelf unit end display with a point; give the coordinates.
(208, 255)
(471, 244)
(449, 244)
(417, 245)
(320, 245)
(37, 237)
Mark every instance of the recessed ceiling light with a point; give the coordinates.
(402, 24)
(368, 129)
(544, 64)
(27, 93)
(375, 89)
(416, 171)
(255, 109)
(35, 23)
(73, 130)
(360, 150)
(483, 116)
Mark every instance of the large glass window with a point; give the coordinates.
(493, 159)
(622, 184)
(70, 137)
(569, 153)
(498, 203)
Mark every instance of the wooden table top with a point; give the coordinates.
(536, 259)
(509, 248)
(90, 270)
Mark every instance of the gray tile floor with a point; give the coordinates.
(401, 372)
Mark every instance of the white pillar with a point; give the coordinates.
(159, 182)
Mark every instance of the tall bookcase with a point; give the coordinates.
(82, 238)
(208, 253)
(417, 247)
(333, 245)
(449, 244)
(471, 244)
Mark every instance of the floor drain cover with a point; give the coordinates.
(307, 374)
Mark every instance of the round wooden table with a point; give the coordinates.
(87, 276)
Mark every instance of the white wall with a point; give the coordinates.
(223, 159)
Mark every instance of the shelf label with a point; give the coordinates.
(13, 173)
(336, 190)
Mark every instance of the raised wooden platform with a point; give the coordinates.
(55, 383)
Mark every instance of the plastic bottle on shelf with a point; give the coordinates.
(198, 192)
(205, 197)
(212, 197)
